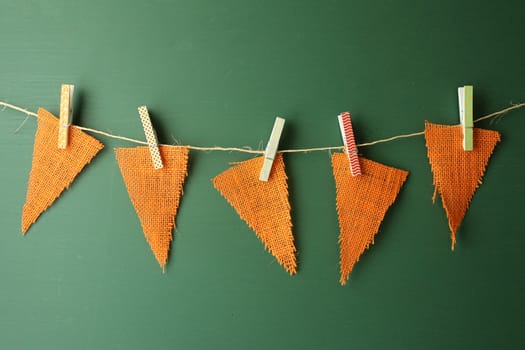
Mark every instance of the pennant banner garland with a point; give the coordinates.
(54, 169)
(362, 200)
(155, 193)
(457, 174)
(263, 205)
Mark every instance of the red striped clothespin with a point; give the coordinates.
(345, 123)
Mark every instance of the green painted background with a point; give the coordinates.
(217, 73)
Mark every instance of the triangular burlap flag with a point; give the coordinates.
(155, 193)
(457, 173)
(54, 169)
(362, 202)
(263, 205)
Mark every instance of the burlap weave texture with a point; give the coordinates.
(457, 173)
(54, 169)
(362, 202)
(264, 206)
(155, 193)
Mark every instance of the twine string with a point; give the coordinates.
(248, 150)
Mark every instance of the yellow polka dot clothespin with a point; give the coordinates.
(151, 137)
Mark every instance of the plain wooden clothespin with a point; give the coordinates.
(465, 97)
(271, 149)
(151, 137)
(345, 123)
(66, 114)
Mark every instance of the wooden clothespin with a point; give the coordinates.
(271, 149)
(66, 114)
(465, 97)
(345, 123)
(151, 137)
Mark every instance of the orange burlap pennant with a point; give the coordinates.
(263, 205)
(362, 202)
(54, 169)
(155, 193)
(457, 173)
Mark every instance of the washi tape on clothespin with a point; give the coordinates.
(151, 137)
(465, 98)
(66, 114)
(345, 123)
(271, 149)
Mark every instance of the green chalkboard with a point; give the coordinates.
(217, 73)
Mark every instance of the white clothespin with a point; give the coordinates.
(345, 124)
(66, 114)
(151, 137)
(465, 97)
(271, 149)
